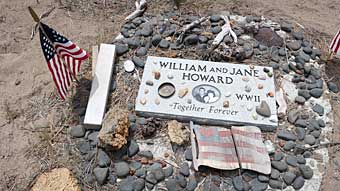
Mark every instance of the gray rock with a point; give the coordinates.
(77, 131)
(149, 186)
(307, 50)
(150, 177)
(164, 44)
(316, 134)
(135, 165)
(138, 62)
(133, 148)
(188, 154)
(191, 39)
(215, 18)
(301, 123)
(184, 169)
(293, 115)
(139, 184)
(298, 35)
(294, 45)
(181, 180)
(126, 185)
(307, 154)
(103, 159)
(287, 27)
(306, 171)
(101, 174)
(317, 108)
(121, 169)
(140, 172)
(84, 147)
(112, 179)
(301, 159)
(298, 182)
(121, 49)
(263, 109)
(216, 30)
(238, 183)
(274, 65)
(156, 39)
(304, 93)
(291, 160)
(192, 184)
(333, 87)
(277, 184)
(93, 137)
(146, 154)
(321, 123)
(278, 156)
(275, 174)
(263, 178)
(202, 39)
(314, 123)
(142, 51)
(279, 165)
(309, 139)
(316, 92)
(300, 100)
(133, 42)
(300, 132)
(286, 135)
(256, 185)
(159, 174)
(147, 30)
(154, 166)
(202, 46)
(304, 56)
(289, 177)
(168, 171)
(289, 145)
(172, 185)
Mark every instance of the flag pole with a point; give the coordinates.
(37, 20)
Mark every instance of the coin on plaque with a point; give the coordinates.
(166, 90)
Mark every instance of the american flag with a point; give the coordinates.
(63, 58)
(335, 44)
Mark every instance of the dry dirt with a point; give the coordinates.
(28, 94)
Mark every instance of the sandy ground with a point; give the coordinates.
(28, 94)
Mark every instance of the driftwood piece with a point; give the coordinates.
(226, 30)
(140, 8)
(188, 27)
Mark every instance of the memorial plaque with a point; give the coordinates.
(208, 92)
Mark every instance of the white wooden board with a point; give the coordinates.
(100, 86)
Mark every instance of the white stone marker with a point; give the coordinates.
(100, 86)
(208, 92)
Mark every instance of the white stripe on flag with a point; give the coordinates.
(57, 80)
(60, 75)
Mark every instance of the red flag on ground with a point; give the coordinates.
(335, 44)
(63, 58)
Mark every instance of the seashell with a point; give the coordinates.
(143, 101)
(226, 104)
(245, 78)
(146, 91)
(157, 75)
(170, 76)
(259, 86)
(157, 101)
(247, 88)
(183, 92)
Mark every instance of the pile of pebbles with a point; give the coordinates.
(261, 41)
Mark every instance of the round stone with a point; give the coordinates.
(306, 171)
(121, 169)
(166, 90)
(289, 177)
(309, 139)
(101, 174)
(77, 131)
(129, 66)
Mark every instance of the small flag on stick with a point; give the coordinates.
(335, 44)
(63, 57)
